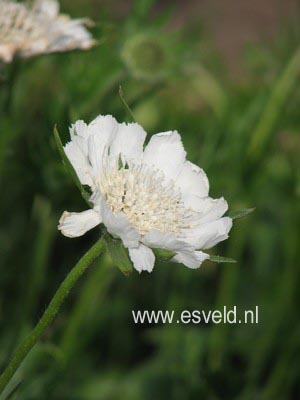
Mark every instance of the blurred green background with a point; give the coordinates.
(226, 76)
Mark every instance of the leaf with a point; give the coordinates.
(219, 259)
(241, 213)
(163, 254)
(119, 254)
(69, 167)
(121, 94)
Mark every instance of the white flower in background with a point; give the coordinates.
(149, 198)
(28, 31)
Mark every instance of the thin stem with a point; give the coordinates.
(121, 94)
(51, 311)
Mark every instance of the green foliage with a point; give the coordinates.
(119, 254)
(163, 254)
(244, 132)
(219, 259)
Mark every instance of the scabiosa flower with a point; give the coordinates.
(28, 31)
(148, 197)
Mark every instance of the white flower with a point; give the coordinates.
(149, 198)
(28, 31)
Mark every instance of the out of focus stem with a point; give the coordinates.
(24, 348)
(286, 82)
(10, 83)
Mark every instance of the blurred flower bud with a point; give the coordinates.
(146, 57)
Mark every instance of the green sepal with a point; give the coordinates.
(240, 213)
(219, 259)
(69, 167)
(119, 254)
(163, 254)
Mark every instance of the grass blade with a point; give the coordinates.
(69, 167)
(282, 88)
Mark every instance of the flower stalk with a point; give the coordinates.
(13, 71)
(51, 311)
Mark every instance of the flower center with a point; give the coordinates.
(145, 197)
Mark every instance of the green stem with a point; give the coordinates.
(121, 94)
(51, 311)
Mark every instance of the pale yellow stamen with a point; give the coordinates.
(144, 196)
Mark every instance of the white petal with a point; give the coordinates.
(208, 209)
(165, 152)
(209, 234)
(191, 259)
(185, 253)
(79, 129)
(163, 240)
(119, 226)
(66, 35)
(79, 136)
(192, 182)
(49, 8)
(128, 143)
(73, 224)
(143, 258)
(101, 131)
(104, 126)
(80, 162)
(88, 145)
